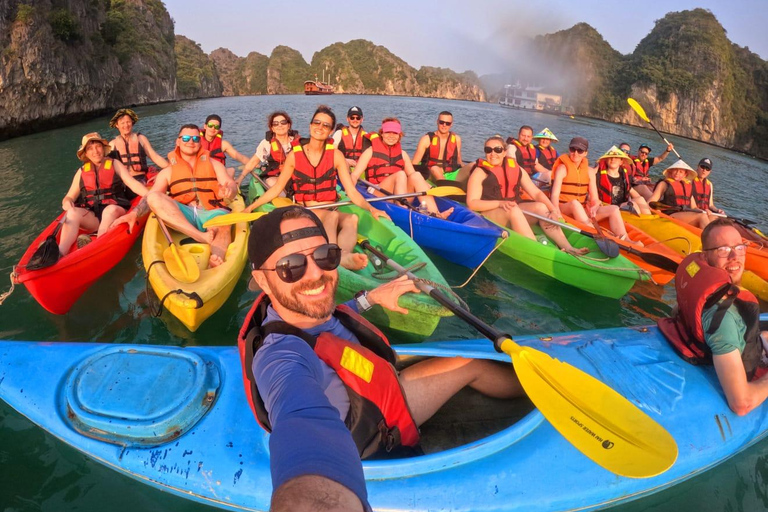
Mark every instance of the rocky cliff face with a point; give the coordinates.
(196, 75)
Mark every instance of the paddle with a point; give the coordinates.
(180, 264)
(606, 246)
(47, 254)
(637, 108)
(594, 418)
(440, 191)
(600, 236)
(281, 202)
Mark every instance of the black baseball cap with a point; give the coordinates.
(355, 111)
(579, 143)
(266, 237)
(706, 163)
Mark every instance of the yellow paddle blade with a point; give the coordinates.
(282, 202)
(637, 108)
(445, 191)
(181, 265)
(597, 420)
(232, 218)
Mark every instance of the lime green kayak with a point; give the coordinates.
(593, 272)
(423, 312)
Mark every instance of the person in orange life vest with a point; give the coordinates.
(494, 189)
(641, 179)
(192, 190)
(214, 143)
(735, 346)
(524, 153)
(440, 151)
(703, 189)
(96, 197)
(676, 192)
(302, 391)
(313, 168)
(352, 140)
(574, 189)
(389, 166)
(132, 149)
(273, 149)
(545, 155)
(613, 183)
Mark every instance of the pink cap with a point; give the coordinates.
(392, 127)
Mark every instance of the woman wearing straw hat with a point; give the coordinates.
(545, 155)
(614, 185)
(674, 195)
(132, 149)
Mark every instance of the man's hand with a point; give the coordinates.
(387, 294)
(128, 218)
(227, 190)
(670, 148)
(507, 205)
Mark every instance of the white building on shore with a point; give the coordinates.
(533, 98)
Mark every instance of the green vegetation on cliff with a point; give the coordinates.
(194, 70)
(287, 71)
(139, 29)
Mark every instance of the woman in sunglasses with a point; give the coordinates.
(674, 195)
(495, 188)
(313, 169)
(273, 149)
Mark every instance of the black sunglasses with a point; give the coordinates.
(291, 268)
(355, 118)
(576, 150)
(445, 123)
(281, 122)
(495, 149)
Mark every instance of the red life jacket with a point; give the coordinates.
(352, 148)
(197, 183)
(702, 192)
(604, 186)
(214, 146)
(547, 156)
(678, 193)
(641, 169)
(501, 182)
(101, 187)
(450, 160)
(526, 155)
(276, 157)
(378, 416)
(131, 154)
(312, 183)
(385, 160)
(699, 287)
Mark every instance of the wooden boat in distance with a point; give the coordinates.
(314, 87)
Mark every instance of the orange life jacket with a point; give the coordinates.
(385, 160)
(214, 146)
(131, 154)
(196, 183)
(450, 160)
(501, 182)
(526, 155)
(312, 183)
(702, 192)
(576, 181)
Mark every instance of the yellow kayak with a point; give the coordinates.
(195, 302)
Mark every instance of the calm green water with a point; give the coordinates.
(38, 473)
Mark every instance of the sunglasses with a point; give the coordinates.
(291, 268)
(187, 138)
(577, 150)
(325, 125)
(725, 250)
(444, 123)
(355, 118)
(212, 125)
(282, 122)
(644, 153)
(495, 149)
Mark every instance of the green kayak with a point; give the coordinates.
(423, 312)
(593, 272)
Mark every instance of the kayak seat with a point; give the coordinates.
(139, 397)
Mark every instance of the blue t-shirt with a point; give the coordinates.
(307, 403)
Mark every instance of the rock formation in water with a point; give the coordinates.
(196, 75)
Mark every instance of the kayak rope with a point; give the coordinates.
(159, 311)
(586, 261)
(500, 241)
(13, 285)
(675, 238)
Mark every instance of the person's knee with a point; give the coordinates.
(155, 199)
(349, 221)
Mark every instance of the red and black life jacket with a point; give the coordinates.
(378, 416)
(214, 146)
(701, 286)
(352, 147)
(450, 160)
(640, 172)
(276, 157)
(678, 193)
(604, 186)
(314, 183)
(526, 155)
(385, 160)
(547, 156)
(702, 192)
(101, 186)
(131, 153)
(501, 182)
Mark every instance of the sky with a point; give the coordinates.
(462, 35)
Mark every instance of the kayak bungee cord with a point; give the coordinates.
(500, 241)
(159, 311)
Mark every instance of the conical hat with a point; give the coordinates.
(680, 165)
(615, 152)
(546, 133)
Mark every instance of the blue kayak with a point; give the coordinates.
(464, 238)
(177, 419)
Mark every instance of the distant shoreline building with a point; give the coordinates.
(531, 98)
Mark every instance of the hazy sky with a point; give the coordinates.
(457, 34)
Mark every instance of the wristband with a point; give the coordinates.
(361, 298)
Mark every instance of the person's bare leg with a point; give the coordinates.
(429, 384)
(348, 240)
(575, 210)
(312, 493)
(505, 218)
(644, 191)
(416, 183)
(436, 173)
(110, 214)
(692, 218)
(616, 223)
(75, 218)
(553, 231)
(167, 209)
(222, 236)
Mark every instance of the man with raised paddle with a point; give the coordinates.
(322, 379)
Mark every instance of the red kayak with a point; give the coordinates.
(59, 286)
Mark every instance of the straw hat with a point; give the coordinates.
(680, 165)
(88, 138)
(546, 133)
(120, 113)
(615, 152)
